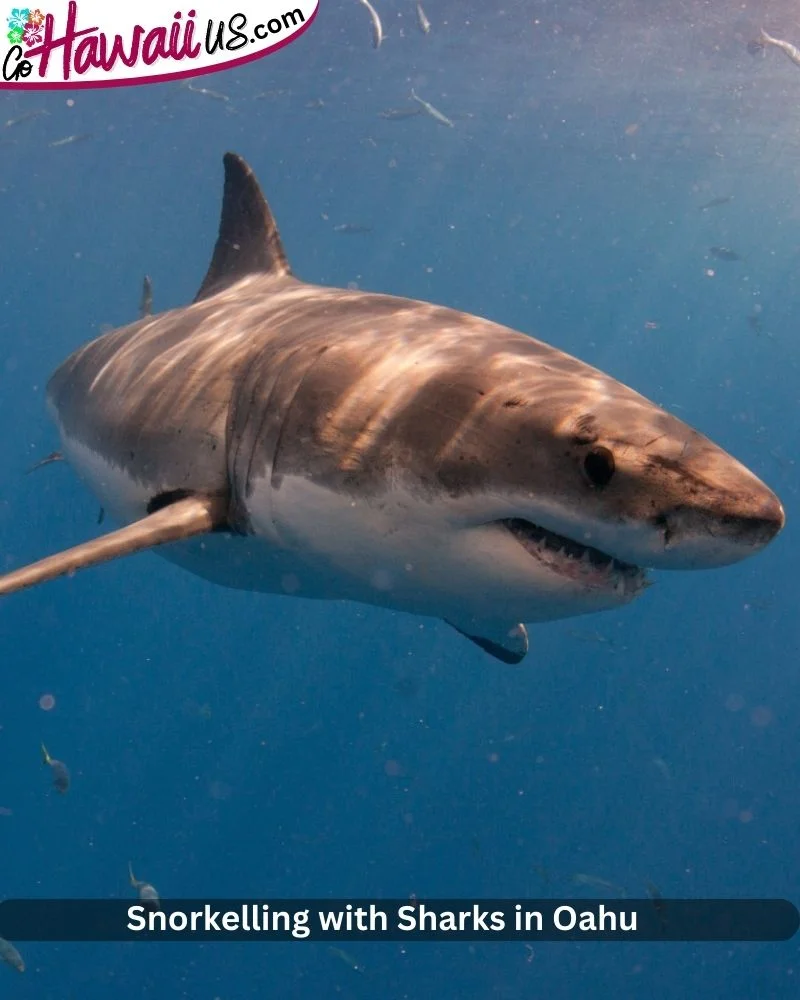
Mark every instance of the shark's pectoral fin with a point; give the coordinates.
(183, 519)
(507, 643)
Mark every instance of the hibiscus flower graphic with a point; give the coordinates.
(36, 17)
(19, 18)
(15, 36)
(33, 34)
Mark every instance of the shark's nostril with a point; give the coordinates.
(662, 523)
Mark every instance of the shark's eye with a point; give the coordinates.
(598, 465)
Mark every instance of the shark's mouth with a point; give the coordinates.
(577, 561)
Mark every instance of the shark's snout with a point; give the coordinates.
(720, 533)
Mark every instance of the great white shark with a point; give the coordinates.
(288, 438)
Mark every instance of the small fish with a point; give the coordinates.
(377, 27)
(723, 253)
(271, 95)
(213, 95)
(432, 111)
(398, 114)
(28, 116)
(70, 139)
(579, 878)
(10, 955)
(543, 874)
(754, 322)
(658, 903)
(146, 301)
(101, 516)
(54, 456)
(346, 958)
(597, 637)
(60, 772)
(422, 20)
(716, 202)
(406, 687)
(787, 48)
(663, 768)
(147, 892)
(352, 229)
(316, 105)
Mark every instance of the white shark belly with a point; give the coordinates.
(308, 541)
(120, 494)
(395, 552)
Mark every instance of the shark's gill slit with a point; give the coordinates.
(166, 499)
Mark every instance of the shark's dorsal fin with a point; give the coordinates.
(505, 642)
(248, 241)
(183, 519)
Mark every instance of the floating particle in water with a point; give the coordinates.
(47, 702)
(219, 790)
(730, 809)
(734, 703)
(381, 580)
(761, 716)
(407, 686)
(393, 768)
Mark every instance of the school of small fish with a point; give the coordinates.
(59, 773)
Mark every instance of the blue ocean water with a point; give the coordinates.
(230, 744)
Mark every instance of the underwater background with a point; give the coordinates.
(230, 744)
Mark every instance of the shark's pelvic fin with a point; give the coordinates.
(507, 643)
(248, 241)
(183, 519)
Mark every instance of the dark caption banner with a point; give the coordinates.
(400, 920)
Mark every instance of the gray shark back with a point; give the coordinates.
(350, 389)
